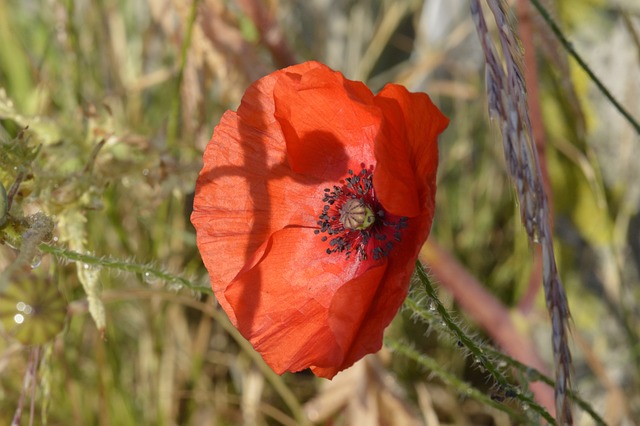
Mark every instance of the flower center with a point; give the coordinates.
(353, 220)
(355, 214)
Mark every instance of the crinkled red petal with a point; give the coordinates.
(300, 307)
(330, 124)
(259, 195)
(389, 297)
(245, 190)
(407, 151)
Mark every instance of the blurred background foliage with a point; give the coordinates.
(105, 109)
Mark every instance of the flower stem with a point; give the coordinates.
(477, 353)
(414, 304)
(462, 387)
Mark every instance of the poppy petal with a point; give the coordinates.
(389, 297)
(329, 123)
(268, 172)
(295, 316)
(407, 154)
(245, 190)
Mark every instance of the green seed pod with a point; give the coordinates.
(32, 309)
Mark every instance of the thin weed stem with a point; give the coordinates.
(174, 117)
(569, 47)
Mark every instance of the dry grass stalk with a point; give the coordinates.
(508, 106)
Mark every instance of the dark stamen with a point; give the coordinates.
(354, 221)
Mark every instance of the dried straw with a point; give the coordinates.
(507, 101)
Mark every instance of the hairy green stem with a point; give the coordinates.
(479, 355)
(147, 271)
(529, 372)
(462, 387)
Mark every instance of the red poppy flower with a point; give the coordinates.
(313, 202)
